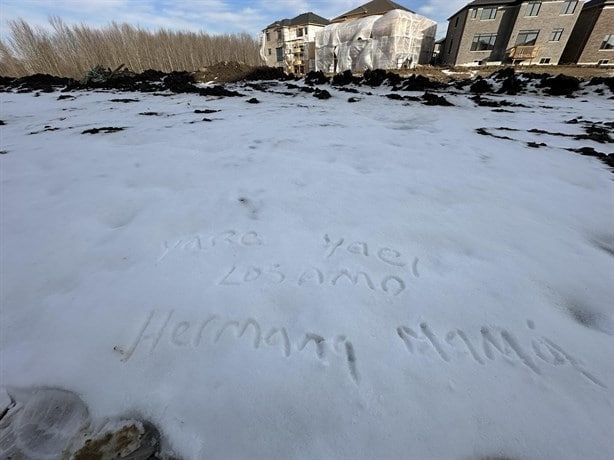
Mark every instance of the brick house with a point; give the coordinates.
(289, 44)
(510, 31)
(592, 40)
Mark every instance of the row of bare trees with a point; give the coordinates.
(71, 50)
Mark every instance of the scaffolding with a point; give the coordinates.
(395, 40)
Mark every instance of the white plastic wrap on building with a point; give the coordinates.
(395, 40)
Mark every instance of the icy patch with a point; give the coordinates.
(41, 424)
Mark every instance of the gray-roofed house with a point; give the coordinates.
(289, 44)
(510, 31)
(375, 7)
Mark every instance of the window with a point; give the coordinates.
(279, 34)
(545, 60)
(268, 36)
(488, 13)
(306, 30)
(483, 42)
(608, 43)
(555, 36)
(299, 32)
(527, 37)
(450, 47)
(270, 51)
(603, 62)
(473, 13)
(280, 54)
(456, 23)
(533, 8)
(569, 7)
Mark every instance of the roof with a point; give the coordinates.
(593, 3)
(309, 18)
(305, 18)
(371, 8)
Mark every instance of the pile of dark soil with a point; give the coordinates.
(146, 82)
(230, 72)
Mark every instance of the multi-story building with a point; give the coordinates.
(510, 31)
(379, 34)
(289, 44)
(592, 40)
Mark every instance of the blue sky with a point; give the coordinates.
(213, 16)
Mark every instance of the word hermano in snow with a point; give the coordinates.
(202, 243)
(236, 276)
(492, 341)
(192, 334)
(361, 248)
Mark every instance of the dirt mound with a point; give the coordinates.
(561, 85)
(230, 72)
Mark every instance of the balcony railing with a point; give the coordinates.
(523, 52)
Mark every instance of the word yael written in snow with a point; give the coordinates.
(274, 273)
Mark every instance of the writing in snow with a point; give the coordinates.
(492, 344)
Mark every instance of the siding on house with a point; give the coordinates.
(477, 36)
(595, 23)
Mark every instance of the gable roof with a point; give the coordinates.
(305, 18)
(309, 18)
(371, 8)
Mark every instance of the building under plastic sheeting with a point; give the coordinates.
(395, 40)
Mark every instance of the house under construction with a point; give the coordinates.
(289, 44)
(380, 34)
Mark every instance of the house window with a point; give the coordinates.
(306, 30)
(569, 7)
(533, 8)
(545, 60)
(268, 36)
(603, 62)
(270, 51)
(450, 48)
(483, 42)
(527, 37)
(280, 54)
(456, 22)
(555, 36)
(608, 43)
(473, 13)
(299, 32)
(279, 34)
(488, 13)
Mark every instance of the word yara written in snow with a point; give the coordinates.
(204, 242)
(275, 274)
(215, 331)
(492, 342)
(386, 255)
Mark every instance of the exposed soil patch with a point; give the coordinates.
(124, 101)
(253, 100)
(434, 99)
(321, 94)
(206, 111)
(150, 114)
(108, 129)
(45, 129)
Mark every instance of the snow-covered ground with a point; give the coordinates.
(307, 278)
